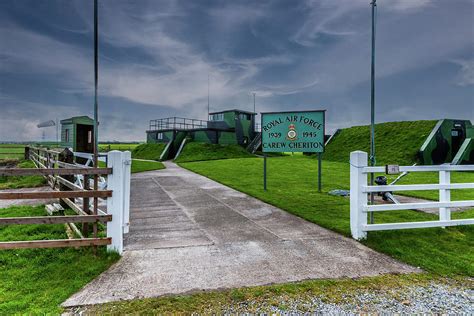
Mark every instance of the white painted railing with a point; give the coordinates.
(119, 204)
(360, 190)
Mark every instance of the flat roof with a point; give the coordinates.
(234, 110)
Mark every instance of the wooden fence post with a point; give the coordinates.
(358, 160)
(27, 152)
(115, 203)
(66, 156)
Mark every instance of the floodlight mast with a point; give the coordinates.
(96, 77)
(96, 115)
(372, 106)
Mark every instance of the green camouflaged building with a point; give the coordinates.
(450, 141)
(224, 127)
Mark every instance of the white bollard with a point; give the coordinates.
(115, 203)
(444, 195)
(358, 160)
(127, 164)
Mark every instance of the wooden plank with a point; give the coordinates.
(56, 243)
(409, 225)
(55, 219)
(54, 195)
(417, 187)
(416, 206)
(69, 184)
(75, 229)
(445, 167)
(74, 206)
(53, 171)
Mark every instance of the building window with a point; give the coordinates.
(159, 136)
(216, 117)
(66, 135)
(244, 116)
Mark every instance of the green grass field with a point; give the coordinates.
(117, 146)
(395, 142)
(195, 151)
(12, 151)
(292, 186)
(37, 281)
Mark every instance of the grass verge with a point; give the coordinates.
(142, 165)
(334, 291)
(17, 182)
(292, 186)
(195, 151)
(36, 281)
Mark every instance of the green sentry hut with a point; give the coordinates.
(78, 133)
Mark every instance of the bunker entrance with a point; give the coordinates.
(457, 138)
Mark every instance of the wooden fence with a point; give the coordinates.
(71, 185)
(360, 190)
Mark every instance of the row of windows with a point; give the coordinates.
(220, 117)
(216, 117)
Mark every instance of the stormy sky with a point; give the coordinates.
(156, 56)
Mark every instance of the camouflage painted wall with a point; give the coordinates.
(444, 141)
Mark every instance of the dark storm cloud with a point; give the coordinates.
(155, 57)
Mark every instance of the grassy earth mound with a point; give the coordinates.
(196, 151)
(395, 142)
(148, 151)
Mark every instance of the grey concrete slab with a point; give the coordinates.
(190, 233)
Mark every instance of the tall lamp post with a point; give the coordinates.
(372, 106)
(96, 78)
(96, 114)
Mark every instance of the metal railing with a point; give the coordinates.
(359, 192)
(176, 123)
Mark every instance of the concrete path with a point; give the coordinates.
(189, 233)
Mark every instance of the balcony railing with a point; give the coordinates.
(176, 123)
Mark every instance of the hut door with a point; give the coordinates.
(84, 140)
(457, 137)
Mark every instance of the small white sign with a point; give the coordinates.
(392, 169)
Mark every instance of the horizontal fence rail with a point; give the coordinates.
(359, 190)
(73, 186)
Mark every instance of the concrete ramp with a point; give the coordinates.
(189, 233)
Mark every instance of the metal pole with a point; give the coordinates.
(319, 172)
(372, 107)
(254, 102)
(96, 111)
(265, 172)
(208, 93)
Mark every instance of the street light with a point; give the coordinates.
(372, 106)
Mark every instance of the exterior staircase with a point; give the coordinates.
(255, 143)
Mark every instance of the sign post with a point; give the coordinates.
(301, 131)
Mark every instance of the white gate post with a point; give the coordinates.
(127, 163)
(358, 160)
(444, 195)
(115, 203)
